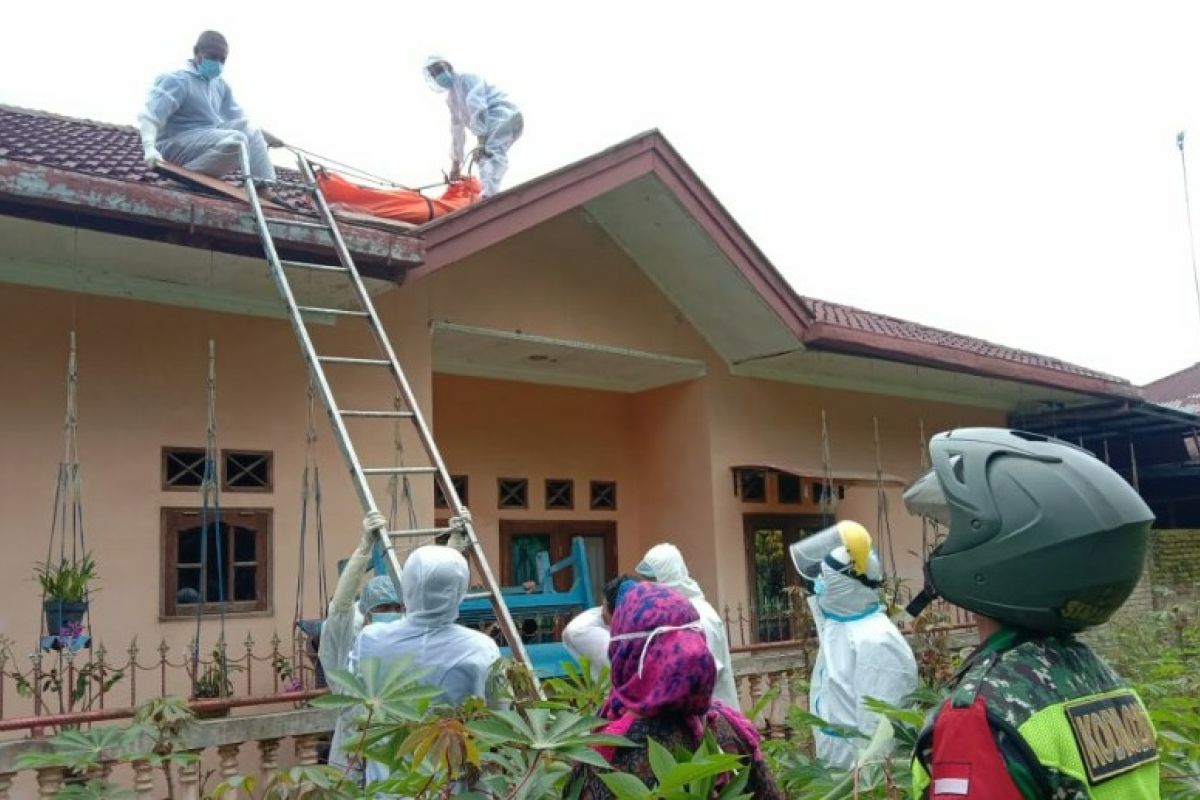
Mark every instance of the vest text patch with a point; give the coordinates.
(1114, 735)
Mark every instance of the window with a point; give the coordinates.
(238, 551)
(522, 541)
(818, 491)
(246, 470)
(560, 493)
(603, 496)
(768, 537)
(790, 488)
(513, 493)
(182, 467)
(460, 487)
(751, 485)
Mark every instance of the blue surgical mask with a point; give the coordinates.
(386, 616)
(209, 68)
(444, 79)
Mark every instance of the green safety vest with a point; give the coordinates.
(1104, 741)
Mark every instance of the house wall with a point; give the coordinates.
(567, 279)
(142, 386)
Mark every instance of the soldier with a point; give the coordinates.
(1043, 541)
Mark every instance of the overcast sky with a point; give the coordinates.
(1005, 170)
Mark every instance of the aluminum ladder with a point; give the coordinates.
(461, 526)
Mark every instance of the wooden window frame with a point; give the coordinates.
(268, 455)
(560, 532)
(791, 525)
(739, 488)
(167, 451)
(779, 478)
(570, 484)
(500, 504)
(592, 486)
(171, 521)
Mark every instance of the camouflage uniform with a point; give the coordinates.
(1017, 675)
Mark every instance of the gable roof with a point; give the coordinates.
(95, 168)
(1178, 390)
(818, 324)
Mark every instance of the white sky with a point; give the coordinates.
(1005, 170)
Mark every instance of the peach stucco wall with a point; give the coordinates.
(142, 380)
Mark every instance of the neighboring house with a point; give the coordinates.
(602, 352)
(1179, 390)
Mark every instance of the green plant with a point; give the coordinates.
(66, 581)
(214, 680)
(682, 775)
(153, 737)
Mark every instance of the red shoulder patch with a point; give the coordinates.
(966, 762)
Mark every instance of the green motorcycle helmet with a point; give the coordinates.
(1042, 535)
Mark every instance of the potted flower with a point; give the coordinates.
(214, 683)
(65, 588)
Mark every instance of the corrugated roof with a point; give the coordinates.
(1179, 389)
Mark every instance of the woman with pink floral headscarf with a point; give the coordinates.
(663, 676)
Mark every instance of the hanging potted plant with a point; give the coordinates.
(214, 683)
(65, 588)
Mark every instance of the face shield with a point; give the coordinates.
(810, 552)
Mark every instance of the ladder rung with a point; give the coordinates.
(299, 223)
(400, 471)
(337, 312)
(380, 414)
(362, 362)
(314, 267)
(477, 596)
(415, 532)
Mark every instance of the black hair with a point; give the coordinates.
(612, 590)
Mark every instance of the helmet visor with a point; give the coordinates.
(808, 553)
(924, 498)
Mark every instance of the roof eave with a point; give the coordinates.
(385, 255)
(838, 339)
(471, 230)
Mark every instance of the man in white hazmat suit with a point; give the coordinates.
(479, 107)
(456, 658)
(664, 564)
(861, 653)
(346, 618)
(192, 120)
(587, 634)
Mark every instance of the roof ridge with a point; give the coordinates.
(37, 112)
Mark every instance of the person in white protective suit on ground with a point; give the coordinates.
(456, 659)
(379, 603)
(587, 634)
(488, 113)
(192, 120)
(861, 653)
(664, 564)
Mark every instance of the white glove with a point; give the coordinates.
(372, 522)
(149, 132)
(152, 157)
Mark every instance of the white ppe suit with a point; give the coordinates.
(664, 564)
(456, 658)
(195, 122)
(488, 113)
(343, 622)
(861, 654)
(587, 635)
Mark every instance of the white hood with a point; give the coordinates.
(664, 564)
(435, 580)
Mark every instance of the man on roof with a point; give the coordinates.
(485, 111)
(192, 120)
